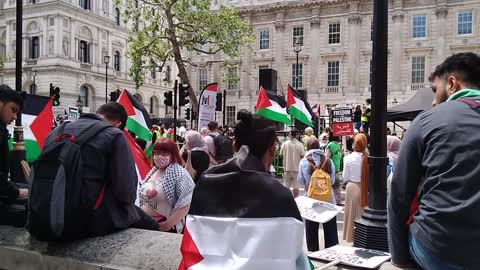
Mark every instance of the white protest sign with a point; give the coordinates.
(358, 257)
(316, 210)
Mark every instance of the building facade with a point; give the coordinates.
(64, 44)
(336, 37)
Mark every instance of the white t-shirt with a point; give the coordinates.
(292, 152)
(153, 199)
(352, 167)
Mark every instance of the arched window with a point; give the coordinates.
(84, 52)
(35, 48)
(84, 95)
(117, 16)
(116, 60)
(151, 105)
(138, 97)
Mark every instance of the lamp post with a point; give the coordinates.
(79, 104)
(34, 88)
(106, 60)
(394, 102)
(297, 48)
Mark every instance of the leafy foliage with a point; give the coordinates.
(165, 30)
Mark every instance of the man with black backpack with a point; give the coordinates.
(219, 146)
(84, 183)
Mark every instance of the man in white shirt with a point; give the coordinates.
(292, 152)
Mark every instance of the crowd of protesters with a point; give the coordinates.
(432, 176)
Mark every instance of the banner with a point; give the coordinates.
(358, 257)
(206, 105)
(342, 122)
(317, 211)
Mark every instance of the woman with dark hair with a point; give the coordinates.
(355, 173)
(240, 204)
(167, 190)
(315, 158)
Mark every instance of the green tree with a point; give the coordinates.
(164, 29)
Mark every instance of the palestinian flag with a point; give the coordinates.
(245, 220)
(142, 163)
(299, 107)
(272, 106)
(139, 121)
(37, 120)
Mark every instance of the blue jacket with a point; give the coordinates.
(304, 170)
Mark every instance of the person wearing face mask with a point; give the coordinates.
(167, 190)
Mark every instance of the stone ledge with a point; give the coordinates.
(128, 249)
(125, 250)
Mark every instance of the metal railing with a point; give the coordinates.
(332, 90)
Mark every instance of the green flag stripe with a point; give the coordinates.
(138, 129)
(300, 116)
(275, 116)
(31, 147)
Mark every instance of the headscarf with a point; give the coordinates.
(359, 145)
(393, 146)
(194, 140)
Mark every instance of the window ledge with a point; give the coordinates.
(86, 66)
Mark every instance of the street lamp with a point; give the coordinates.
(106, 60)
(297, 48)
(34, 88)
(394, 102)
(79, 104)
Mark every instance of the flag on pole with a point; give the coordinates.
(138, 121)
(142, 163)
(272, 107)
(37, 120)
(299, 107)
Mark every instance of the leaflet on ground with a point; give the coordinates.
(317, 211)
(358, 257)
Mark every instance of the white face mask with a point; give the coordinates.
(162, 161)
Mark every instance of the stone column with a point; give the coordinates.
(354, 22)
(397, 51)
(280, 46)
(44, 39)
(58, 39)
(315, 41)
(441, 13)
(73, 41)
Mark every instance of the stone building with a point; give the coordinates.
(334, 64)
(64, 44)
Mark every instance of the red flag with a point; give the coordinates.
(263, 100)
(141, 161)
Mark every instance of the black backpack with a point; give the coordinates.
(223, 147)
(60, 206)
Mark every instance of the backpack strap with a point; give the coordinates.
(472, 103)
(91, 131)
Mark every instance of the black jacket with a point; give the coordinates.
(8, 191)
(242, 188)
(200, 162)
(441, 153)
(107, 158)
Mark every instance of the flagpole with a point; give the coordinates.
(18, 154)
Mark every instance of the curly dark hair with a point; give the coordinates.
(465, 66)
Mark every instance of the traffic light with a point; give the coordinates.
(168, 98)
(218, 104)
(55, 94)
(113, 96)
(187, 113)
(194, 115)
(182, 95)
